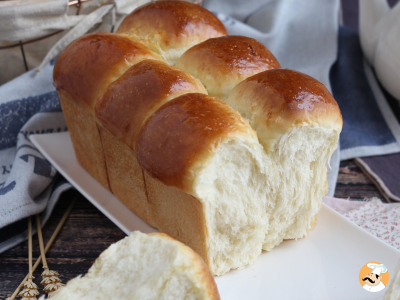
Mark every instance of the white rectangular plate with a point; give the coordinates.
(325, 265)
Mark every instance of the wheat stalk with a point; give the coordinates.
(53, 237)
(30, 288)
(50, 280)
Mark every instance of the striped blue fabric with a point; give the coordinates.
(29, 184)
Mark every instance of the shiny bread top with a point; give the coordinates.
(138, 93)
(90, 63)
(221, 63)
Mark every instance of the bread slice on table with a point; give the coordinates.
(147, 267)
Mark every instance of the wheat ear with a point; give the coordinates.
(50, 281)
(50, 242)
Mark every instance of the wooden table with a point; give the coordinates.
(88, 232)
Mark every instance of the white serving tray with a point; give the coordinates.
(325, 265)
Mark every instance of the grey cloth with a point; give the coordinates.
(385, 172)
(370, 126)
(301, 34)
(20, 20)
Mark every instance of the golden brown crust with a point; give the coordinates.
(166, 25)
(90, 63)
(179, 215)
(204, 274)
(275, 101)
(221, 63)
(200, 268)
(176, 20)
(295, 96)
(232, 54)
(138, 93)
(181, 136)
(125, 176)
(85, 138)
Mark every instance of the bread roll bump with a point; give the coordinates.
(89, 64)
(298, 122)
(277, 100)
(182, 136)
(169, 28)
(221, 63)
(138, 93)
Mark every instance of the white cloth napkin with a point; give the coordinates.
(380, 219)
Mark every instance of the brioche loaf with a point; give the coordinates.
(227, 182)
(144, 266)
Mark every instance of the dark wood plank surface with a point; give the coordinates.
(88, 232)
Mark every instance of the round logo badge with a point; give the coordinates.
(374, 276)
